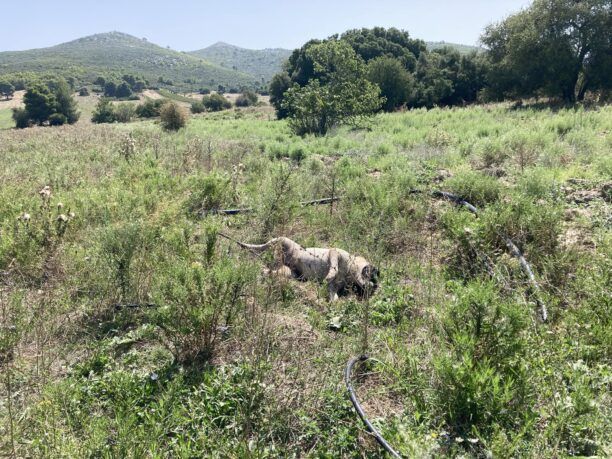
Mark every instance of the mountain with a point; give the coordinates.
(264, 63)
(114, 52)
(463, 49)
(260, 63)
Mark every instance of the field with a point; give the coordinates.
(130, 329)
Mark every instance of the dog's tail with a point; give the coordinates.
(257, 248)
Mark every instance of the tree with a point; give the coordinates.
(64, 102)
(215, 102)
(21, 118)
(123, 91)
(104, 112)
(338, 94)
(558, 48)
(173, 116)
(279, 85)
(395, 82)
(434, 83)
(150, 108)
(39, 103)
(110, 89)
(6, 89)
(373, 43)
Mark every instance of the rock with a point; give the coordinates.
(584, 196)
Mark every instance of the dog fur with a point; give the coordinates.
(341, 270)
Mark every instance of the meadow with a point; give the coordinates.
(130, 329)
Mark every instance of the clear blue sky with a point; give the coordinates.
(187, 25)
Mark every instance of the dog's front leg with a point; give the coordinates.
(332, 274)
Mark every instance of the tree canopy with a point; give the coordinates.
(338, 93)
(558, 48)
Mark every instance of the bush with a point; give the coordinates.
(173, 116)
(83, 92)
(57, 119)
(21, 118)
(474, 187)
(246, 99)
(208, 193)
(150, 108)
(104, 112)
(216, 102)
(197, 107)
(483, 377)
(198, 303)
(124, 113)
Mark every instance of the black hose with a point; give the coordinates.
(347, 380)
(514, 250)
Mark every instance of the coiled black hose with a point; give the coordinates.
(514, 250)
(347, 380)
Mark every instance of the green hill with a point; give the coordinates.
(101, 54)
(463, 49)
(264, 63)
(260, 63)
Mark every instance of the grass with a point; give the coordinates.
(6, 119)
(216, 359)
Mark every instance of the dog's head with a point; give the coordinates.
(369, 284)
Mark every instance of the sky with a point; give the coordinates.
(187, 25)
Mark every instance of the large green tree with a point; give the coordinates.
(558, 48)
(395, 82)
(65, 104)
(338, 93)
(39, 103)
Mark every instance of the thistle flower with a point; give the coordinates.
(62, 218)
(71, 215)
(60, 206)
(25, 217)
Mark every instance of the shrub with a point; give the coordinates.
(483, 377)
(216, 102)
(150, 108)
(173, 116)
(57, 119)
(475, 187)
(198, 303)
(104, 112)
(124, 113)
(83, 92)
(197, 107)
(246, 99)
(119, 246)
(21, 118)
(208, 193)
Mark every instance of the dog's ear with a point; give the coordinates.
(369, 272)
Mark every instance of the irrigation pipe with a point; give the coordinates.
(514, 250)
(246, 210)
(347, 380)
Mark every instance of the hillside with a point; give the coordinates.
(264, 63)
(463, 49)
(100, 54)
(260, 63)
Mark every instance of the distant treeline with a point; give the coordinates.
(555, 48)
